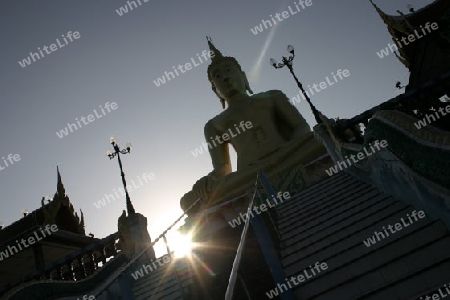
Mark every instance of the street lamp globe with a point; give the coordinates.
(290, 49)
(273, 62)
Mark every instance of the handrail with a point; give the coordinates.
(214, 208)
(240, 250)
(60, 261)
(111, 279)
(265, 242)
(115, 275)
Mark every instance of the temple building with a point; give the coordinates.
(46, 248)
(350, 209)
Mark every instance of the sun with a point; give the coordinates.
(181, 244)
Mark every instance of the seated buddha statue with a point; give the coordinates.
(266, 131)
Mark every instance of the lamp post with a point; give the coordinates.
(111, 155)
(287, 61)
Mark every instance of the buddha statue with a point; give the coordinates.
(265, 130)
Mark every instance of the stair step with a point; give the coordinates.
(162, 282)
(305, 198)
(355, 231)
(364, 269)
(334, 213)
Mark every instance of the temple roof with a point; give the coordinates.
(59, 211)
(405, 24)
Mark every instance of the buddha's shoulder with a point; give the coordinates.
(269, 95)
(218, 120)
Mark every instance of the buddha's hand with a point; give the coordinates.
(203, 186)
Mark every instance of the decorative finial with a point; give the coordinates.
(217, 54)
(82, 218)
(60, 186)
(382, 14)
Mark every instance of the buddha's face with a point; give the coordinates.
(228, 80)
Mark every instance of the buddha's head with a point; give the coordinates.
(226, 76)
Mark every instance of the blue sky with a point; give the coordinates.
(116, 60)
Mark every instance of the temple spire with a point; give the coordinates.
(61, 191)
(394, 23)
(82, 219)
(382, 14)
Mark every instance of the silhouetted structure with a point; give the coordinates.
(338, 217)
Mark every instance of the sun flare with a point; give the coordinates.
(181, 244)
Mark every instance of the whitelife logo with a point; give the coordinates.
(31, 240)
(162, 80)
(225, 137)
(430, 118)
(86, 120)
(140, 273)
(27, 61)
(281, 16)
(321, 86)
(263, 207)
(124, 9)
(359, 155)
(130, 187)
(398, 226)
(411, 38)
(11, 158)
(437, 296)
(300, 278)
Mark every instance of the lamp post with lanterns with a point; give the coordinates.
(111, 155)
(287, 61)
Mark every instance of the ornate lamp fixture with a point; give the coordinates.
(111, 155)
(287, 61)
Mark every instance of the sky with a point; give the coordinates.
(117, 59)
